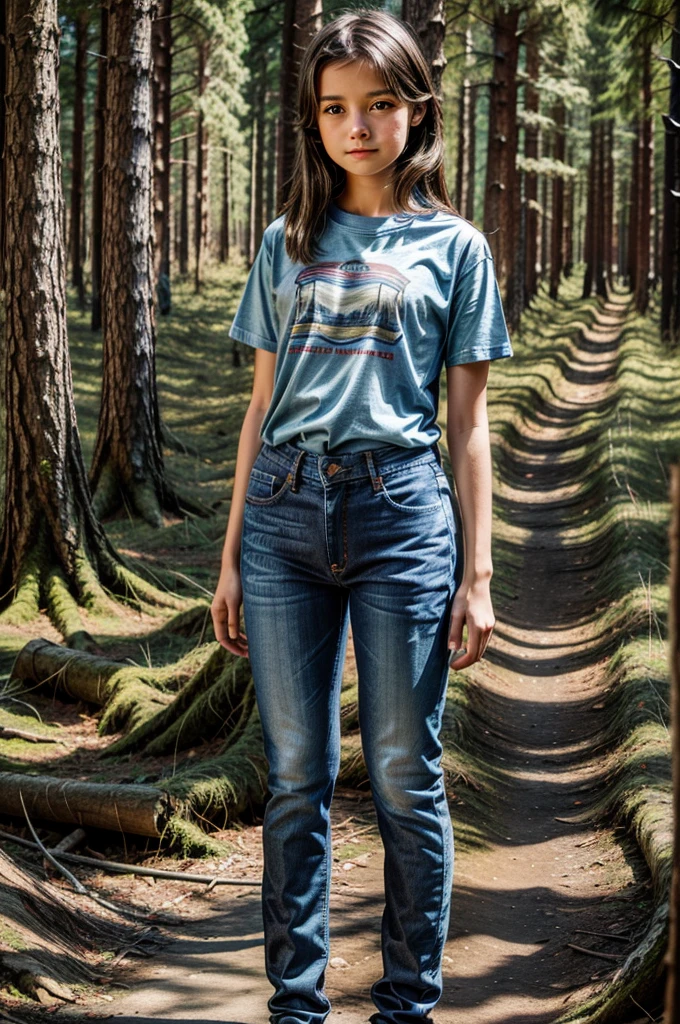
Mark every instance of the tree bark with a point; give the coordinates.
(53, 551)
(161, 44)
(426, 17)
(78, 153)
(140, 810)
(127, 467)
(202, 186)
(557, 227)
(646, 164)
(531, 133)
(591, 228)
(670, 244)
(98, 170)
(184, 212)
(466, 130)
(502, 193)
(225, 227)
(301, 22)
(600, 239)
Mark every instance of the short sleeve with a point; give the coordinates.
(255, 322)
(477, 327)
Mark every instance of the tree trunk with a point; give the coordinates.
(202, 189)
(161, 44)
(634, 208)
(569, 218)
(225, 227)
(670, 245)
(184, 212)
(301, 22)
(502, 194)
(426, 17)
(646, 164)
(600, 239)
(140, 810)
(557, 227)
(608, 197)
(127, 466)
(53, 551)
(98, 170)
(531, 106)
(466, 130)
(592, 213)
(78, 153)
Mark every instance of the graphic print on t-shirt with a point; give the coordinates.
(341, 304)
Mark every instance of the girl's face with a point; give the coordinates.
(363, 126)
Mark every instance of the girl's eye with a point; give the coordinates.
(336, 106)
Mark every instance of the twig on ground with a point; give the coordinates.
(594, 952)
(128, 869)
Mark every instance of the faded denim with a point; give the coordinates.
(373, 537)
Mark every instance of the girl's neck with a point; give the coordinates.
(367, 201)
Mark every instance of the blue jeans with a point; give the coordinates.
(373, 536)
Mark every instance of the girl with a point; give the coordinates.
(364, 287)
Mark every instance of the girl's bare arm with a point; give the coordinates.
(467, 433)
(226, 604)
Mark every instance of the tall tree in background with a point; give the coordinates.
(670, 262)
(161, 46)
(301, 22)
(82, 21)
(53, 552)
(98, 169)
(426, 17)
(531, 137)
(127, 466)
(502, 198)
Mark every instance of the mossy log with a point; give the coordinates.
(47, 944)
(129, 694)
(141, 810)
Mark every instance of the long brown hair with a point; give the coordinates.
(392, 48)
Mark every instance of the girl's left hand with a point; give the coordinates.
(471, 607)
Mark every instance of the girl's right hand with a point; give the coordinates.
(225, 611)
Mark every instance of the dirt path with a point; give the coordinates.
(518, 903)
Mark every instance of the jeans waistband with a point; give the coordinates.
(300, 463)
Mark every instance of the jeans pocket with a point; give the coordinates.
(412, 489)
(266, 488)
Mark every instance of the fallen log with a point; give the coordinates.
(141, 810)
(72, 673)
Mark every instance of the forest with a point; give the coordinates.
(145, 147)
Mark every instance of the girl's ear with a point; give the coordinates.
(419, 111)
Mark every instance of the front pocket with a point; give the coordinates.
(412, 489)
(265, 488)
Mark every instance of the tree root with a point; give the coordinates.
(218, 694)
(144, 499)
(220, 789)
(63, 941)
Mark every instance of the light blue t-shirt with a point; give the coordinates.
(361, 334)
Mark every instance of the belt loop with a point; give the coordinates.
(376, 479)
(437, 452)
(295, 472)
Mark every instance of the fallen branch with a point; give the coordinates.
(593, 952)
(116, 867)
(7, 733)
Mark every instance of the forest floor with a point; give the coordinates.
(542, 877)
